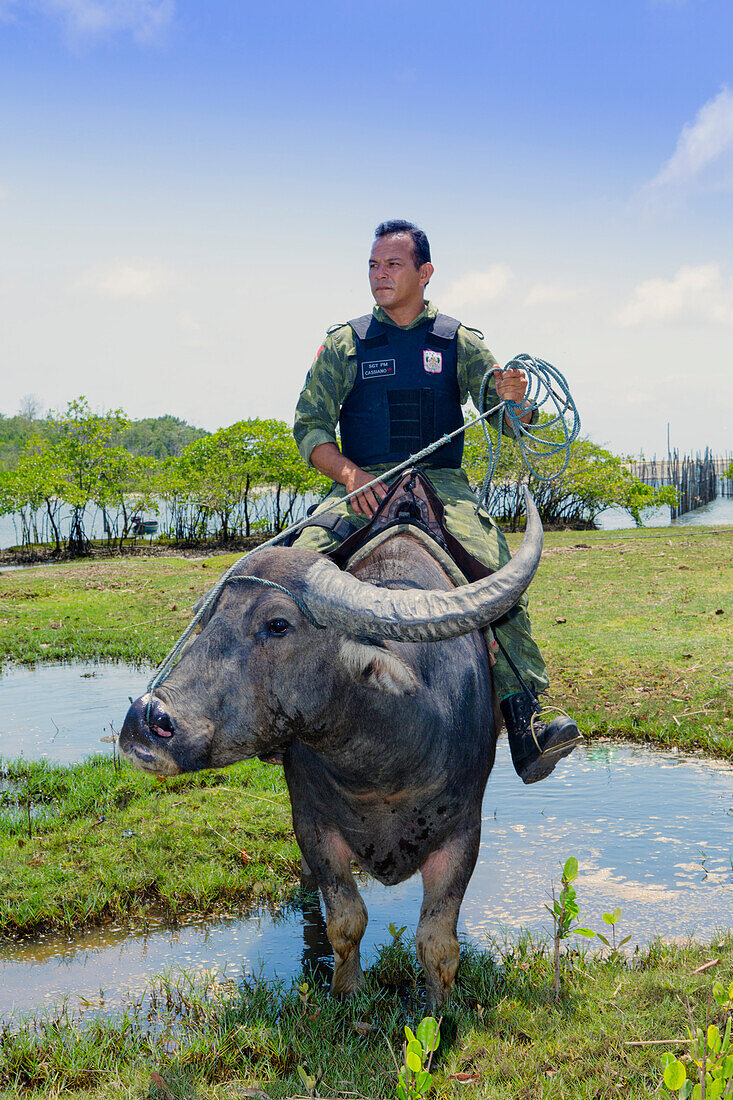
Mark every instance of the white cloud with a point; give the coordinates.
(551, 294)
(694, 294)
(146, 20)
(192, 331)
(128, 280)
(476, 288)
(704, 153)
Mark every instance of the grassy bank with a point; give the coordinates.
(503, 1036)
(122, 609)
(638, 630)
(96, 842)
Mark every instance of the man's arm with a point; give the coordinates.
(329, 460)
(327, 386)
(474, 359)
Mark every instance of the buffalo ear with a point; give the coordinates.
(378, 666)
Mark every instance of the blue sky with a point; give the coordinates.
(188, 193)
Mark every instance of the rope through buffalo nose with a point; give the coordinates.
(163, 669)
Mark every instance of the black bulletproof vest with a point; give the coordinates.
(405, 395)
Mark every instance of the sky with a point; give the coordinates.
(189, 191)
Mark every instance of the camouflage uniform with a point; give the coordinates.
(327, 385)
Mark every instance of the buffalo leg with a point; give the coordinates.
(346, 915)
(445, 876)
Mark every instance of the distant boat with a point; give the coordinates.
(145, 527)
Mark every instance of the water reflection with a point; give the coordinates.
(60, 712)
(718, 512)
(651, 831)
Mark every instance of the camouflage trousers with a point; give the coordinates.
(482, 538)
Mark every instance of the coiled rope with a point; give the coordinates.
(536, 443)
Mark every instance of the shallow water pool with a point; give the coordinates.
(652, 831)
(59, 712)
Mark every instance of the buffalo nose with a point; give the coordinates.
(157, 720)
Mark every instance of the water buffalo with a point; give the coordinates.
(383, 712)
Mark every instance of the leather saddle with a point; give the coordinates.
(411, 499)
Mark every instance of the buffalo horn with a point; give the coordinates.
(339, 600)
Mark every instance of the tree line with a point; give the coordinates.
(242, 480)
(595, 479)
(234, 482)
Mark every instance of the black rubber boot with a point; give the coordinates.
(536, 746)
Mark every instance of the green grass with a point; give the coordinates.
(122, 609)
(110, 841)
(196, 1038)
(646, 648)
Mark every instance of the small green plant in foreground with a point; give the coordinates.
(612, 919)
(564, 912)
(396, 932)
(414, 1079)
(712, 1063)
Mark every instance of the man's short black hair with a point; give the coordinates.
(420, 244)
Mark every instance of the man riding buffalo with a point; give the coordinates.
(394, 381)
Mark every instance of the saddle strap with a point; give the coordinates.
(339, 526)
(412, 499)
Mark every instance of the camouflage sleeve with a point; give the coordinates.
(327, 385)
(474, 359)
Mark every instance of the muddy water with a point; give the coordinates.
(653, 833)
(60, 712)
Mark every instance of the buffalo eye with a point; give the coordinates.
(278, 626)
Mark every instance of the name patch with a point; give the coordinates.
(432, 361)
(378, 368)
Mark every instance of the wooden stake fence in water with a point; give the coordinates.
(695, 479)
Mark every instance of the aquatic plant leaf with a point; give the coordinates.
(428, 1033)
(570, 870)
(423, 1082)
(714, 1040)
(587, 932)
(308, 1081)
(675, 1075)
(413, 1057)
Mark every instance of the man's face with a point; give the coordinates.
(393, 277)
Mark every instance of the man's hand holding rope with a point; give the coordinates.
(511, 385)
